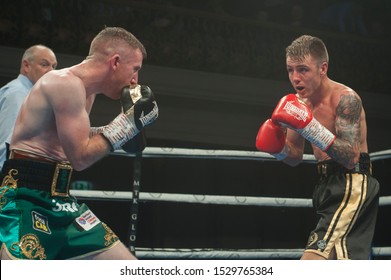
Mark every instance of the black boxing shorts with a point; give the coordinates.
(346, 202)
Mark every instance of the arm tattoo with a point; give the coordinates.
(347, 125)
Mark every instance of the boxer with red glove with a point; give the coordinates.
(271, 139)
(293, 113)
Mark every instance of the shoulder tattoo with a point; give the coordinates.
(349, 109)
(348, 119)
(347, 125)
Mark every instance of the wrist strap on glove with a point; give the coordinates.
(119, 131)
(283, 154)
(318, 135)
(96, 130)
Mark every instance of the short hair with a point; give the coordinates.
(111, 37)
(30, 52)
(308, 45)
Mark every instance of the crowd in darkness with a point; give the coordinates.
(366, 18)
(244, 38)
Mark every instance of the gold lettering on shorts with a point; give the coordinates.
(313, 238)
(110, 236)
(8, 183)
(30, 247)
(9, 179)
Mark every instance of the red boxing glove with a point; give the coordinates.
(293, 113)
(270, 138)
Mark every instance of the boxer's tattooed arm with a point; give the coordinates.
(348, 131)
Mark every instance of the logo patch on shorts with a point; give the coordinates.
(87, 220)
(321, 244)
(40, 222)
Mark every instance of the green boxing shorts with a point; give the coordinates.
(34, 224)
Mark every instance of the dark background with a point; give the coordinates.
(217, 69)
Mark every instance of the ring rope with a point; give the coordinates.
(198, 253)
(171, 253)
(205, 199)
(158, 152)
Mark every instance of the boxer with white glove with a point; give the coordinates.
(293, 113)
(129, 96)
(133, 118)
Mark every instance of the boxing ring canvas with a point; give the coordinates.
(175, 203)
